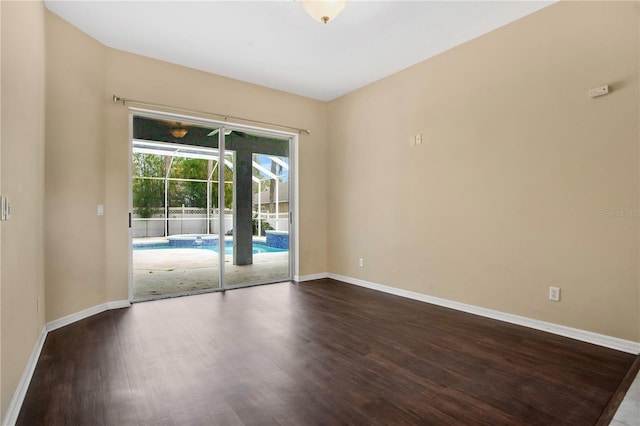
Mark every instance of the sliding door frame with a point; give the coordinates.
(293, 140)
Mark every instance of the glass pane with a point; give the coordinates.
(187, 208)
(175, 242)
(148, 194)
(178, 223)
(262, 211)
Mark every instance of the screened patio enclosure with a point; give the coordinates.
(201, 221)
(175, 191)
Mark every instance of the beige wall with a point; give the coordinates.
(87, 255)
(2, 410)
(506, 196)
(22, 177)
(74, 159)
(508, 193)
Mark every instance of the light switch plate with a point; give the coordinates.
(5, 208)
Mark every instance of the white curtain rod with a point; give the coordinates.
(124, 101)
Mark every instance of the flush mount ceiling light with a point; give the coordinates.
(179, 132)
(323, 10)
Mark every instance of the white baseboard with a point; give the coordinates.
(117, 304)
(15, 405)
(86, 313)
(301, 278)
(13, 410)
(561, 330)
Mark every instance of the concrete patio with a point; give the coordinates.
(182, 271)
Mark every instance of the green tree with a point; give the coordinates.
(148, 194)
(191, 194)
(195, 192)
(228, 188)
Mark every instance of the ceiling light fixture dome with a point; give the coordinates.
(323, 10)
(179, 132)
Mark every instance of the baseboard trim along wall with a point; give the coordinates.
(15, 405)
(311, 277)
(13, 410)
(86, 313)
(561, 330)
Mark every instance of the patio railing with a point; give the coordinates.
(193, 220)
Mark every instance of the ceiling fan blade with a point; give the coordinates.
(216, 131)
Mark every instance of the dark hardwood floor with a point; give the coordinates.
(315, 353)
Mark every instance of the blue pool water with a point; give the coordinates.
(228, 247)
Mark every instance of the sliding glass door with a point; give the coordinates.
(210, 209)
(261, 212)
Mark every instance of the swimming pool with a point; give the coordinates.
(258, 247)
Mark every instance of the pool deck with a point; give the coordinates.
(158, 273)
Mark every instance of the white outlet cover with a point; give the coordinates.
(554, 294)
(599, 91)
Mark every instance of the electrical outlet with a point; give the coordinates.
(554, 294)
(361, 262)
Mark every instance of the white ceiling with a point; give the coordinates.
(276, 44)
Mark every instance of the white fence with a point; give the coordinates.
(190, 220)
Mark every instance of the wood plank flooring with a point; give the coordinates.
(314, 353)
